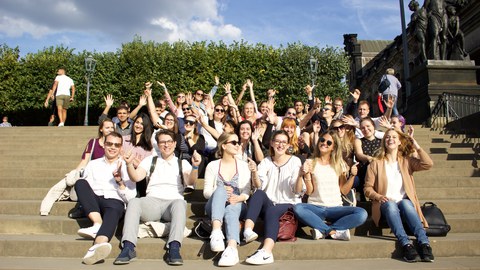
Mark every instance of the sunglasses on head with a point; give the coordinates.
(190, 122)
(322, 140)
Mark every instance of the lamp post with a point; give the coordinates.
(406, 68)
(313, 72)
(89, 69)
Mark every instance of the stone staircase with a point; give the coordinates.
(34, 158)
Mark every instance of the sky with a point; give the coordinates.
(103, 25)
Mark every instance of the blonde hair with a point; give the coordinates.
(336, 157)
(405, 148)
(347, 141)
(220, 142)
(390, 71)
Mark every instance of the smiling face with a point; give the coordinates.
(219, 112)
(249, 110)
(166, 144)
(107, 128)
(112, 146)
(190, 122)
(290, 130)
(263, 107)
(327, 112)
(232, 145)
(396, 123)
(186, 109)
(122, 115)
(339, 127)
(363, 110)
(291, 113)
(245, 132)
(299, 107)
(138, 126)
(280, 144)
(367, 128)
(169, 122)
(392, 140)
(326, 144)
(198, 95)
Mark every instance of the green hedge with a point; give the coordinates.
(183, 66)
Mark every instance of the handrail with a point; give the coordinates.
(451, 107)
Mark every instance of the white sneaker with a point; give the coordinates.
(229, 257)
(341, 235)
(89, 233)
(97, 253)
(216, 241)
(260, 257)
(61, 124)
(316, 234)
(249, 236)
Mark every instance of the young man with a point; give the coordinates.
(103, 193)
(5, 122)
(164, 200)
(62, 84)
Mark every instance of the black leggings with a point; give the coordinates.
(111, 210)
(260, 204)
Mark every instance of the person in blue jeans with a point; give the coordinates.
(390, 186)
(227, 187)
(325, 179)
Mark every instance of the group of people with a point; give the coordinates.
(255, 164)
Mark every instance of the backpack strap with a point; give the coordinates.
(152, 169)
(180, 167)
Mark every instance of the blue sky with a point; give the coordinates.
(103, 25)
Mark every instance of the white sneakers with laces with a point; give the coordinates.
(316, 234)
(229, 257)
(216, 241)
(260, 257)
(341, 235)
(97, 253)
(249, 235)
(89, 232)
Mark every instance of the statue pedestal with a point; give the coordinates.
(434, 78)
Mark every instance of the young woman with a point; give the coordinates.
(138, 143)
(365, 149)
(346, 134)
(250, 145)
(325, 180)
(289, 125)
(95, 147)
(190, 141)
(227, 187)
(390, 186)
(275, 180)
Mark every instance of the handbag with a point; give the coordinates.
(288, 226)
(384, 84)
(437, 224)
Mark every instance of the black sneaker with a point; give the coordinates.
(126, 256)
(426, 253)
(410, 254)
(174, 257)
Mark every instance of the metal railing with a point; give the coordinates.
(451, 107)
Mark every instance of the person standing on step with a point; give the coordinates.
(61, 87)
(164, 200)
(390, 186)
(103, 193)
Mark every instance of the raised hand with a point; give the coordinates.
(271, 93)
(162, 84)
(148, 85)
(147, 92)
(328, 99)
(109, 100)
(356, 95)
(255, 135)
(307, 166)
(117, 174)
(249, 83)
(252, 166)
(354, 169)
(142, 100)
(217, 80)
(196, 158)
(308, 90)
(227, 87)
(390, 102)
(188, 98)
(348, 119)
(410, 131)
(383, 121)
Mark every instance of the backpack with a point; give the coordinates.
(384, 84)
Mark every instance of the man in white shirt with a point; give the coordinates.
(103, 193)
(61, 87)
(164, 200)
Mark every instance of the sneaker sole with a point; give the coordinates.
(228, 264)
(101, 253)
(428, 260)
(251, 239)
(259, 263)
(175, 262)
(412, 261)
(124, 262)
(86, 235)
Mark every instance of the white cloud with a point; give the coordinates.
(16, 27)
(229, 31)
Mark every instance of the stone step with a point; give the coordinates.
(426, 181)
(69, 246)
(449, 192)
(449, 171)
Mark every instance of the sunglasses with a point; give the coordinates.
(291, 113)
(186, 109)
(219, 110)
(325, 109)
(110, 144)
(199, 94)
(190, 122)
(180, 96)
(339, 127)
(329, 143)
(234, 143)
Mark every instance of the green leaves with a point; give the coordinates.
(183, 66)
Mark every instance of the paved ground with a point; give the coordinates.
(383, 264)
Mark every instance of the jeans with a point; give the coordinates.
(394, 212)
(218, 209)
(394, 109)
(342, 217)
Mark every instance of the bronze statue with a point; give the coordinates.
(419, 28)
(456, 47)
(437, 29)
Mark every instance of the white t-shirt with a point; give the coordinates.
(395, 190)
(64, 85)
(165, 182)
(327, 192)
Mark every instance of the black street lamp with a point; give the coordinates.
(90, 69)
(313, 72)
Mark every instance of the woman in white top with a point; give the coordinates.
(227, 187)
(276, 180)
(325, 180)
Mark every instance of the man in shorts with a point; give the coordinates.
(63, 84)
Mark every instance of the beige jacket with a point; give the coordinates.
(376, 181)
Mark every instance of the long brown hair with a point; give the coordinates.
(405, 148)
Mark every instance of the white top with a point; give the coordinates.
(327, 192)
(64, 85)
(165, 182)
(279, 182)
(211, 174)
(395, 190)
(99, 175)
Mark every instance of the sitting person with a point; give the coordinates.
(103, 193)
(227, 187)
(275, 180)
(325, 180)
(164, 197)
(390, 186)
